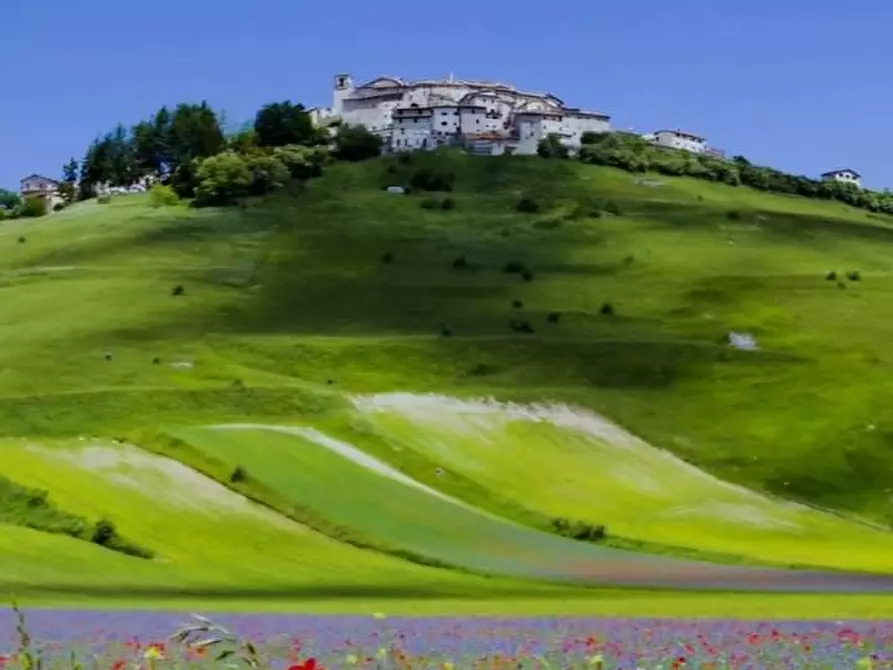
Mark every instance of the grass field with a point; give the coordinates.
(298, 310)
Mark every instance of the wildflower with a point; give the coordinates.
(381, 654)
(597, 661)
(352, 659)
(154, 652)
(378, 615)
(448, 665)
(119, 664)
(309, 664)
(3, 661)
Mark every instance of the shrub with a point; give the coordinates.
(446, 331)
(521, 326)
(33, 207)
(607, 309)
(855, 275)
(426, 179)
(163, 196)
(404, 159)
(104, 199)
(268, 173)
(461, 262)
(527, 275)
(301, 162)
(579, 530)
(733, 215)
(356, 143)
(178, 290)
(223, 178)
(103, 533)
(553, 317)
(517, 304)
(429, 203)
(528, 206)
(59, 206)
(21, 240)
(387, 258)
(481, 370)
(239, 474)
(551, 147)
(447, 204)
(612, 207)
(513, 267)
(831, 276)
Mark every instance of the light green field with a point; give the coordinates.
(289, 294)
(572, 464)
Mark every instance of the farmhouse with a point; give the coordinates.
(38, 186)
(678, 139)
(485, 116)
(847, 176)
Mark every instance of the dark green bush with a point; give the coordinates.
(528, 206)
(579, 530)
(513, 267)
(521, 326)
(239, 474)
(527, 275)
(517, 304)
(429, 203)
(607, 309)
(427, 179)
(855, 275)
(447, 204)
(33, 207)
(831, 276)
(460, 262)
(553, 317)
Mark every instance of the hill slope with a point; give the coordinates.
(611, 296)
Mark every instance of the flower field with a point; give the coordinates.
(155, 641)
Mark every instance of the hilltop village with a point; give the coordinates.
(485, 117)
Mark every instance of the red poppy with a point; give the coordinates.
(3, 660)
(119, 665)
(309, 664)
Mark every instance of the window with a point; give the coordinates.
(444, 123)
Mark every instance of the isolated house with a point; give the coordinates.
(846, 176)
(38, 186)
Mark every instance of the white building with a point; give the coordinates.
(486, 117)
(847, 176)
(678, 139)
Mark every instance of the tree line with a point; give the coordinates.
(634, 154)
(185, 149)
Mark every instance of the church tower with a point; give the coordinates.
(343, 88)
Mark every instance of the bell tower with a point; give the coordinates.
(343, 88)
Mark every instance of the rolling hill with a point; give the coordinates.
(357, 391)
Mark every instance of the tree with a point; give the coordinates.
(551, 147)
(223, 178)
(356, 143)
(282, 123)
(302, 162)
(70, 171)
(9, 199)
(194, 133)
(145, 140)
(268, 173)
(33, 207)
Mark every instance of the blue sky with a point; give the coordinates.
(802, 85)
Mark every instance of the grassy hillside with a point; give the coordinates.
(613, 297)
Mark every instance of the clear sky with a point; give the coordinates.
(802, 85)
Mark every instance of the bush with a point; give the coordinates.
(831, 276)
(733, 215)
(527, 275)
(447, 204)
(239, 474)
(104, 199)
(426, 179)
(513, 267)
(521, 326)
(429, 203)
(103, 533)
(854, 276)
(461, 262)
(301, 162)
(446, 331)
(551, 147)
(607, 309)
(59, 206)
(517, 304)
(553, 317)
(612, 207)
(222, 179)
(356, 143)
(528, 206)
(387, 258)
(163, 196)
(33, 208)
(268, 173)
(579, 530)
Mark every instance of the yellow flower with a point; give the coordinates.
(597, 661)
(378, 615)
(382, 653)
(448, 666)
(351, 659)
(153, 653)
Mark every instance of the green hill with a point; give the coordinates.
(585, 297)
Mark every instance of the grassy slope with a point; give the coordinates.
(292, 293)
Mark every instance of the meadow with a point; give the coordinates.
(338, 397)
